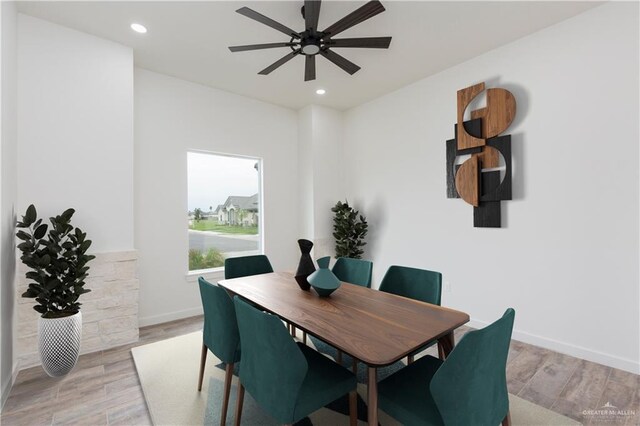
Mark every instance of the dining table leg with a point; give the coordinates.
(445, 345)
(372, 396)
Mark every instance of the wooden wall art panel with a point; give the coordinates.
(468, 181)
(465, 96)
(490, 157)
(499, 112)
(478, 180)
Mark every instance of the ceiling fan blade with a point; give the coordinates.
(370, 42)
(280, 62)
(365, 12)
(340, 61)
(259, 46)
(311, 14)
(310, 68)
(250, 13)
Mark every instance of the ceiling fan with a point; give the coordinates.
(312, 42)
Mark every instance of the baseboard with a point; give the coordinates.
(569, 349)
(170, 316)
(6, 387)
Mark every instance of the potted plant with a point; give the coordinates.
(349, 230)
(57, 258)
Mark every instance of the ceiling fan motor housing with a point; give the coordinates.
(310, 44)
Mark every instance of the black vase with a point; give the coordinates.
(306, 266)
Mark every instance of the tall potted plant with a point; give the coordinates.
(349, 230)
(57, 258)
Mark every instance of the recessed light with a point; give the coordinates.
(139, 28)
(321, 92)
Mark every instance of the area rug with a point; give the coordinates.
(168, 372)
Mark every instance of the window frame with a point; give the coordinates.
(218, 273)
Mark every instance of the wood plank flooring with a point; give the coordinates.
(104, 388)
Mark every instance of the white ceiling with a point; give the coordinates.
(189, 40)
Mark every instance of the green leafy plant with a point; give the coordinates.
(211, 259)
(197, 214)
(349, 230)
(58, 262)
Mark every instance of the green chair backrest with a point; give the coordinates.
(236, 267)
(220, 333)
(354, 271)
(418, 284)
(470, 388)
(273, 367)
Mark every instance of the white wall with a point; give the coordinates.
(173, 116)
(328, 182)
(305, 173)
(8, 172)
(321, 174)
(567, 257)
(75, 124)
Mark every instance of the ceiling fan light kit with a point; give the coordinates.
(312, 42)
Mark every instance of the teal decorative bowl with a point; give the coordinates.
(323, 281)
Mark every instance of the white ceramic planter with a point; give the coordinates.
(59, 343)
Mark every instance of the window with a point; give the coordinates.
(224, 208)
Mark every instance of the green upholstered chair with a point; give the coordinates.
(353, 271)
(417, 284)
(236, 267)
(245, 266)
(220, 335)
(468, 388)
(287, 379)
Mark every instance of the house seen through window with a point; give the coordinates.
(224, 210)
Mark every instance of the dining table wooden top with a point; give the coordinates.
(375, 327)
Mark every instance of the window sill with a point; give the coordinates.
(211, 275)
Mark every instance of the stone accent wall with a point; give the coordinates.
(109, 311)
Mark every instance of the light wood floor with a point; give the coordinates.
(104, 388)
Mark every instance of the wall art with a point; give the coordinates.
(481, 180)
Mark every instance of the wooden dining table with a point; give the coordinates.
(374, 327)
